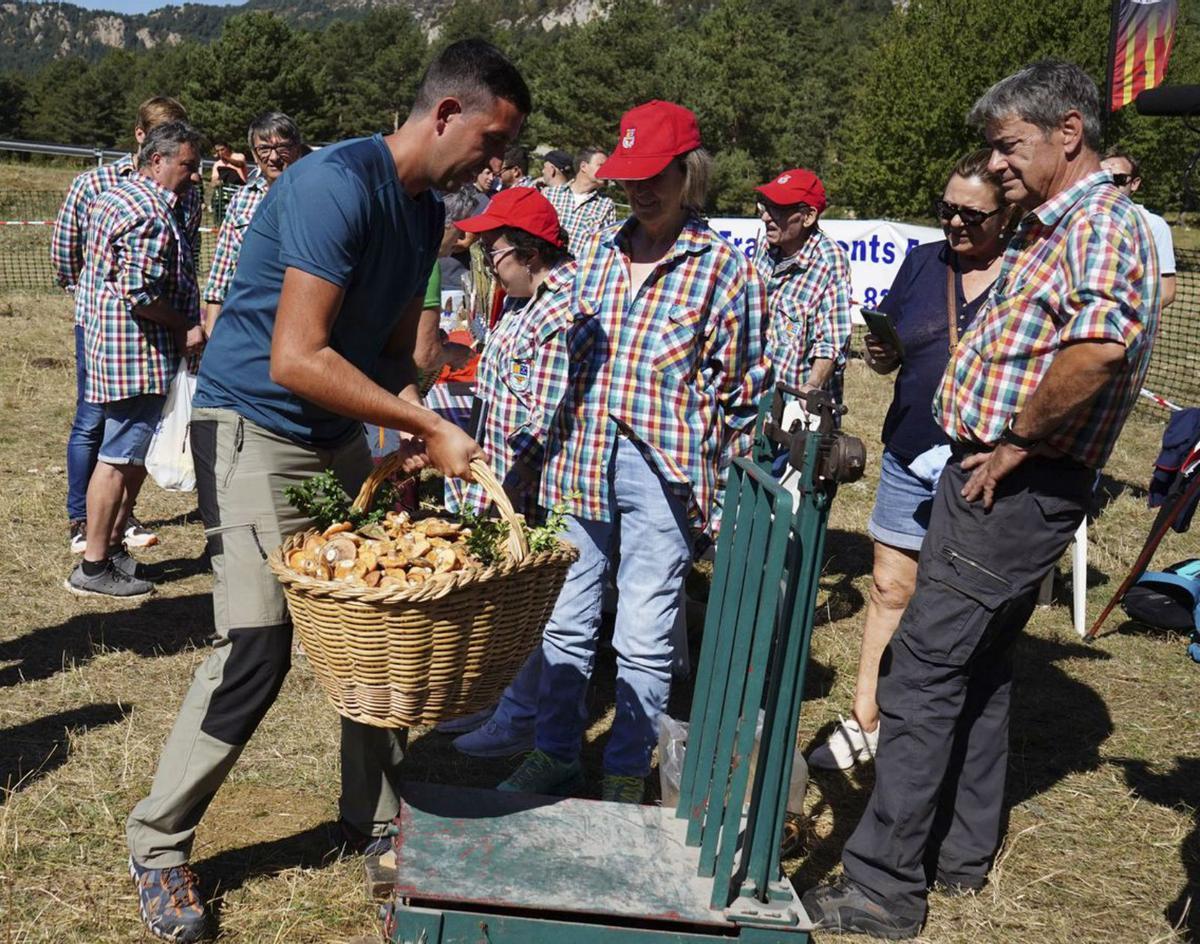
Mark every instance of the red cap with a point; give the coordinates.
(521, 208)
(651, 135)
(795, 186)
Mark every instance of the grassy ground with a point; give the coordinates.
(1102, 841)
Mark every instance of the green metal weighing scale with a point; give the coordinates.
(483, 867)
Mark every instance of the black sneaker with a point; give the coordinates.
(843, 906)
(137, 535)
(78, 536)
(110, 582)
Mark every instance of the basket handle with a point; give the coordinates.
(518, 547)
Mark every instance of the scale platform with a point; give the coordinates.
(475, 866)
(503, 867)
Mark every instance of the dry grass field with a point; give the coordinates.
(1102, 840)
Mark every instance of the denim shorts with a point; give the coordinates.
(903, 503)
(129, 426)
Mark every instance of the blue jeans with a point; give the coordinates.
(83, 444)
(649, 528)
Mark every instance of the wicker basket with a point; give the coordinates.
(419, 655)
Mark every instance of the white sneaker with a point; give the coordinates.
(848, 745)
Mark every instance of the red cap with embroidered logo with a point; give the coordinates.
(651, 135)
(521, 208)
(795, 186)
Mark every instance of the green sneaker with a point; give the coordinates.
(541, 773)
(616, 789)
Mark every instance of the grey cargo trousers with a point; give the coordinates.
(241, 472)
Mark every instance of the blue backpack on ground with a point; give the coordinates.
(1170, 600)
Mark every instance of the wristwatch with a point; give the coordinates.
(1013, 438)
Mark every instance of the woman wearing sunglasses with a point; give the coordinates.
(936, 296)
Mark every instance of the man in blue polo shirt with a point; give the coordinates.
(315, 338)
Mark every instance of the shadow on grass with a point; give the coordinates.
(159, 626)
(177, 568)
(229, 870)
(1179, 787)
(1109, 490)
(1057, 725)
(28, 752)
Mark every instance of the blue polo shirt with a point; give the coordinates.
(917, 304)
(342, 215)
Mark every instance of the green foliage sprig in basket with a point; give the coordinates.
(323, 499)
(488, 535)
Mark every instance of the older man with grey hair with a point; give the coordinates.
(276, 143)
(137, 302)
(1033, 399)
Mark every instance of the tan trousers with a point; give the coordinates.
(241, 472)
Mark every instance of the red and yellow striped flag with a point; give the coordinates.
(1142, 32)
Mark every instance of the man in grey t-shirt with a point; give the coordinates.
(1127, 177)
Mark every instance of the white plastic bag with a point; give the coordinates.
(169, 460)
(672, 746)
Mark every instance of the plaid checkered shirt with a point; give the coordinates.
(136, 254)
(238, 215)
(521, 379)
(1081, 267)
(809, 298)
(69, 236)
(581, 220)
(678, 367)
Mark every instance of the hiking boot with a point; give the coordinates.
(848, 745)
(466, 723)
(616, 789)
(78, 539)
(844, 906)
(110, 582)
(137, 535)
(494, 740)
(541, 773)
(170, 902)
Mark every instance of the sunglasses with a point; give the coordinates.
(1122, 180)
(777, 212)
(492, 257)
(969, 215)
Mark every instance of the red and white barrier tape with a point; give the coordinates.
(1161, 401)
(203, 229)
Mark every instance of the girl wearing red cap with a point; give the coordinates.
(666, 369)
(519, 383)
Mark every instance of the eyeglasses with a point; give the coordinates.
(969, 215)
(1122, 180)
(282, 148)
(492, 257)
(779, 213)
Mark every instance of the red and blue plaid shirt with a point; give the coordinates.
(521, 379)
(809, 298)
(678, 367)
(1081, 267)
(136, 254)
(581, 218)
(69, 236)
(238, 215)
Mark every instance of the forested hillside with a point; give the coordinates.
(870, 95)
